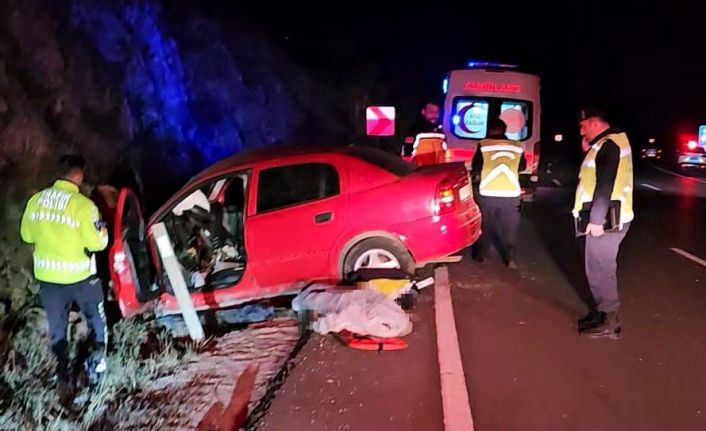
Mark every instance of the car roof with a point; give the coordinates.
(277, 152)
(251, 157)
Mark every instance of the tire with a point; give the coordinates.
(391, 254)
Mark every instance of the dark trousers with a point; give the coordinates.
(601, 254)
(501, 219)
(57, 299)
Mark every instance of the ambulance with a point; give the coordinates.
(481, 92)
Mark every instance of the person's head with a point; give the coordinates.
(496, 129)
(72, 168)
(592, 123)
(431, 112)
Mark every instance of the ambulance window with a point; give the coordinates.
(515, 114)
(470, 118)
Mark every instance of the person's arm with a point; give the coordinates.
(93, 233)
(607, 161)
(523, 162)
(25, 231)
(477, 162)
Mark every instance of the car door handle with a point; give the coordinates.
(323, 217)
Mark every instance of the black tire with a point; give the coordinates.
(395, 248)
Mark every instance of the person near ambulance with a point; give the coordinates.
(427, 133)
(605, 184)
(499, 161)
(65, 229)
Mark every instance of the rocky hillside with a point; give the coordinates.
(149, 95)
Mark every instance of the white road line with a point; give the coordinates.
(680, 175)
(454, 394)
(689, 256)
(557, 182)
(650, 186)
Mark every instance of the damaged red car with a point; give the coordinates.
(260, 225)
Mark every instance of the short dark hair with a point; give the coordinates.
(69, 163)
(591, 111)
(496, 124)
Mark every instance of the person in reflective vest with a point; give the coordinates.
(499, 162)
(427, 123)
(606, 175)
(65, 229)
(429, 149)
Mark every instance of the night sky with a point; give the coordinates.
(645, 65)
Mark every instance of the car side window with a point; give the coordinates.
(295, 184)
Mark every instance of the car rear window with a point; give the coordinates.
(381, 159)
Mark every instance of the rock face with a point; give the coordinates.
(147, 94)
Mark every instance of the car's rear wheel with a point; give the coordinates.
(378, 253)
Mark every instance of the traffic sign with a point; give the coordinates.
(380, 120)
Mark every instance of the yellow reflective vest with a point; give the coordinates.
(501, 164)
(623, 186)
(62, 224)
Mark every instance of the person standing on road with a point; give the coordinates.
(65, 229)
(605, 179)
(499, 161)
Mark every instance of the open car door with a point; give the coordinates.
(130, 269)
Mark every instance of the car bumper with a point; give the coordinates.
(434, 238)
(686, 160)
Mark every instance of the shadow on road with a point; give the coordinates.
(555, 225)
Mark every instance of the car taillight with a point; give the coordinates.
(445, 198)
(692, 145)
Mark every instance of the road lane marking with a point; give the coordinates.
(454, 393)
(650, 186)
(689, 256)
(666, 171)
(557, 182)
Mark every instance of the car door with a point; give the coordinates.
(299, 211)
(128, 259)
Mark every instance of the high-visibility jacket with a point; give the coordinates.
(622, 188)
(63, 225)
(429, 149)
(501, 164)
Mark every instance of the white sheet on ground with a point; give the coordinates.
(362, 311)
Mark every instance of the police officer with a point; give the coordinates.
(606, 176)
(65, 229)
(499, 162)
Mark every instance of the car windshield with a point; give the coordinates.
(381, 159)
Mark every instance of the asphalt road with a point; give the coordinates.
(525, 365)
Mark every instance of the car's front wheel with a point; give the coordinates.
(378, 253)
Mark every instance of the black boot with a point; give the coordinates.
(610, 328)
(591, 320)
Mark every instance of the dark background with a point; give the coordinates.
(644, 64)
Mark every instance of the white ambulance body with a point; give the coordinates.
(476, 95)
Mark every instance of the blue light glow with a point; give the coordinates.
(445, 85)
(189, 98)
(456, 119)
(489, 64)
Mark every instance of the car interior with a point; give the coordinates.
(207, 233)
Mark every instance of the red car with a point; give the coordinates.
(259, 225)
